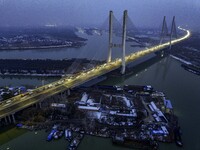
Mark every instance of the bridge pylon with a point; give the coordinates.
(124, 42)
(173, 32)
(164, 31)
(121, 45)
(110, 45)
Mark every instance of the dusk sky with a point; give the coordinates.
(85, 12)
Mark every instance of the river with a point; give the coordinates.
(179, 85)
(95, 49)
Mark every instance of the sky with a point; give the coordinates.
(144, 13)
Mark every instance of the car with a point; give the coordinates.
(8, 101)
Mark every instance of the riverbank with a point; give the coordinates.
(16, 38)
(75, 45)
(47, 67)
(188, 53)
(189, 66)
(181, 60)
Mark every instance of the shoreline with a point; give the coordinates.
(188, 66)
(44, 67)
(181, 60)
(40, 47)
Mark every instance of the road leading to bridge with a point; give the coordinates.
(22, 101)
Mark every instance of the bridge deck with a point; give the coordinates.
(20, 102)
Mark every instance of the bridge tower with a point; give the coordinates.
(124, 42)
(110, 45)
(122, 45)
(164, 31)
(173, 32)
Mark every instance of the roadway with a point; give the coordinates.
(22, 101)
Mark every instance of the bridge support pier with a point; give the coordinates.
(6, 121)
(9, 119)
(61, 96)
(40, 105)
(68, 92)
(13, 117)
(64, 95)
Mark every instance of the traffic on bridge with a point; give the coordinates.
(17, 103)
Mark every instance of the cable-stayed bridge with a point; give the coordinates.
(17, 103)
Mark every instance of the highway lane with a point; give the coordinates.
(28, 100)
(24, 100)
